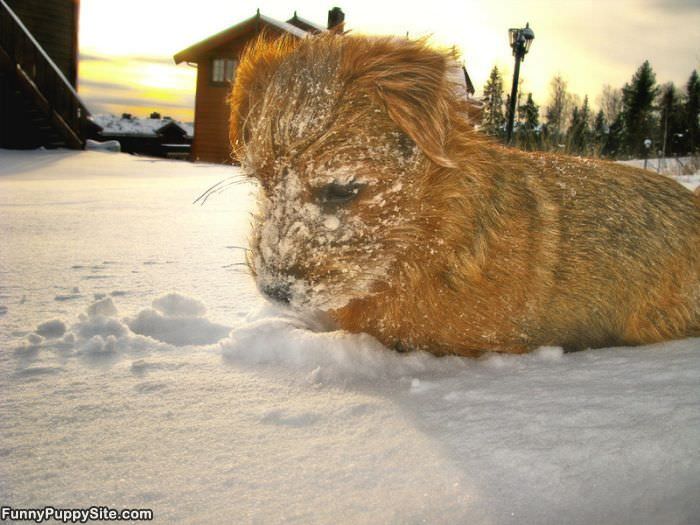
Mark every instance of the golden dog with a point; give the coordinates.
(381, 204)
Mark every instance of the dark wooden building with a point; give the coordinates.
(154, 136)
(216, 59)
(39, 105)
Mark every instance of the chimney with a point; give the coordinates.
(336, 20)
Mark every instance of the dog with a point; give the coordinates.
(381, 204)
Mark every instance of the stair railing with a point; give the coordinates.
(37, 68)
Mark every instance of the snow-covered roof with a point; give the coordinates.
(138, 127)
(306, 22)
(246, 27)
(187, 126)
(284, 26)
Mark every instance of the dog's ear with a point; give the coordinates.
(257, 65)
(409, 80)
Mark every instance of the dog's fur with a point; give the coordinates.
(444, 240)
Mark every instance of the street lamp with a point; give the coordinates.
(647, 146)
(520, 41)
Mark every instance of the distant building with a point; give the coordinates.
(155, 136)
(216, 59)
(39, 105)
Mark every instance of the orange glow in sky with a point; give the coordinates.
(127, 47)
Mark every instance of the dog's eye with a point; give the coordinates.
(338, 194)
(406, 145)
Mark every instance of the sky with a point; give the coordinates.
(126, 47)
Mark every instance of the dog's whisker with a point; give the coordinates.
(219, 187)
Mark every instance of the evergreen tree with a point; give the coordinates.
(493, 119)
(571, 143)
(584, 131)
(672, 135)
(692, 113)
(600, 131)
(638, 98)
(529, 120)
(615, 139)
(529, 114)
(579, 133)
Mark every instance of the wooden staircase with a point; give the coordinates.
(39, 106)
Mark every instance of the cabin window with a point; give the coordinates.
(223, 70)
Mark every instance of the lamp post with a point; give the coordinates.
(647, 145)
(520, 40)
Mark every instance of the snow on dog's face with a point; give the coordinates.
(339, 169)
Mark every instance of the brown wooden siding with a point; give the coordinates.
(54, 24)
(211, 116)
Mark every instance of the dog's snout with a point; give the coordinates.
(278, 292)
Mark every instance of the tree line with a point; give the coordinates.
(641, 118)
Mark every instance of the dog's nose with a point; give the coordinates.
(279, 292)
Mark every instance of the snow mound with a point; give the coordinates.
(310, 343)
(177, 330)
(103, 307)
(51, 329)
(177, 320)
(99, 332)
(176, 305)
(98, 325)
(108, 146)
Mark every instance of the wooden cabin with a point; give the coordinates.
(39, 105)
(216, 59)
(153, 136)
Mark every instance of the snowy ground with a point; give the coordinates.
(121, 385)
(685, 170)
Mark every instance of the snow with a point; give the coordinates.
(179, 329)
(113, 125)
(315, 26)
(685, 170)
(51, 329)
(284, 26)
(163, 380)
(107, 146)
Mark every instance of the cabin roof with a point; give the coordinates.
(306, 25)
(250, 25)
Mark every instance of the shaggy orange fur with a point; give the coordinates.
(381, 204)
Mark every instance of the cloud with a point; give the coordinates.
(87, 57)
(98, 84)
(673, 6)
(138, 101)
(91, 57)
(152, 60)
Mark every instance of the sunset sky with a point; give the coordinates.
(126, 47)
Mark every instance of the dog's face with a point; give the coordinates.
(341, 155)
